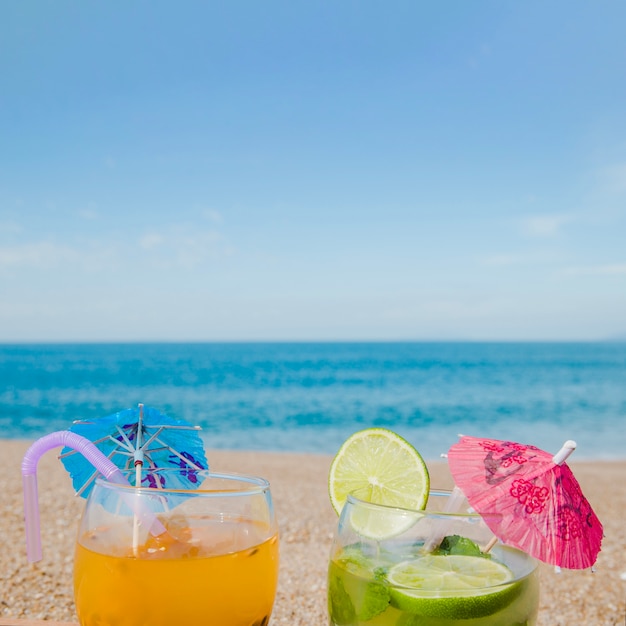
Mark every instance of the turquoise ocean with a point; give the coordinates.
(308, 397)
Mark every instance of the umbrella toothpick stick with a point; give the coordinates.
(492, 542)
(561, 456)
(138, 457)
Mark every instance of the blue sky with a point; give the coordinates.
(312, 170)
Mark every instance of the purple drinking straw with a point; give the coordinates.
(103, 464)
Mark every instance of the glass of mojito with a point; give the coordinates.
(160, 556)
(395, 566)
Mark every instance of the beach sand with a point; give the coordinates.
(43, 591)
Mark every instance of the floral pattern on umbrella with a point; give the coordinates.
(528, 500)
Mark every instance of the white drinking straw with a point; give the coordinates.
(453, 505)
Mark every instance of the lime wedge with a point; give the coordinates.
(452, 586)
(380, 467)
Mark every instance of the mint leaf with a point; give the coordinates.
(357, 589)
(340, 605)
(455, 544)
(373, 602)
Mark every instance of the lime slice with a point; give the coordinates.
(452, 586)
(380, 467)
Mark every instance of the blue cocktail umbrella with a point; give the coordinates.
(139, 438)
(95, 458)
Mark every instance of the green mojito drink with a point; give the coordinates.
(405, 555)
(401, 586)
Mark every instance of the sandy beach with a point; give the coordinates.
(299, 483)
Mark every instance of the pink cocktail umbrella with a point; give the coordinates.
(529, 498)
(100, 462)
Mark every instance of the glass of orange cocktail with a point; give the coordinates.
(158, 556)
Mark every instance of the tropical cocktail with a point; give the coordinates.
(419, 559)
(396, 581)
(175, 556)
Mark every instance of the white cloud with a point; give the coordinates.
(545, 225)
(39, 255)
(535, 257)
(613, 178)
(213, 215)
(184, 246)
(475, 59)
(204, 242)
(65, 259)
(10, 228)
(613, 269)
(89, 212)
(149, 241)
(179, 246)
(505, 259)
(192, 250)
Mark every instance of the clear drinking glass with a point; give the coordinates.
(177, 556)
(389, 567)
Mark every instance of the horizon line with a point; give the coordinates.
(25, 342)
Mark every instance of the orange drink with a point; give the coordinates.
(217, 566)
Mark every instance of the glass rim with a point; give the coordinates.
(472, 515)
(248, 484)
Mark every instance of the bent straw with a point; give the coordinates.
(103, 464)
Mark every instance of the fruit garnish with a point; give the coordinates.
(379, 466)
(451, 586)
